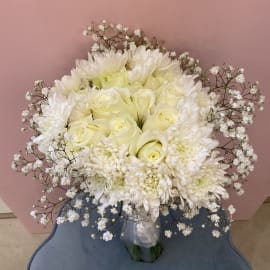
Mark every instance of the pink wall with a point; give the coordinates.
(41, 39)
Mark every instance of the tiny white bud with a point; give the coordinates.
(28, 96)
(231, 209)
(85, 32)
(214, 70)
(119, 27)
(101, 27)
(137, 32)
(240, 78)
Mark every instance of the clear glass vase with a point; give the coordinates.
(141, 236)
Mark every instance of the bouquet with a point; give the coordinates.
(138, 131)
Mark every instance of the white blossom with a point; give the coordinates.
(34, 214)
(102, 224)
(43, 199)
(72, 215)
(71, 193)
(85, 33)
(240, 192)
(101, 27)
(85, 223)
(43, 219)
(215, 218)
(29, 146)
(181, 226)
(27, 168)
(14, 166)
(45, 91)
(28, 96)
(231, 209)
(168, 233)
(240, 78)
(16, 157)
(119, 26)
(65, 181)
(216, 233)
(101, 210)
(237, 185)
(214, 70)
(60, 220)
(114, 211)
(25, 113)
(127, 208)
(187, 231)
(78, 204)
(107, 236)
(137, 32)
(37, 164)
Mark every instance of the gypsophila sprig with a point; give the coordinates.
(134, 127)
(237, 101)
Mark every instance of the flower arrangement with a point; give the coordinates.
(137, 128)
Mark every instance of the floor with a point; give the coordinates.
(251, 237)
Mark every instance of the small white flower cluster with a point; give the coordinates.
(183, 228)
(186, 230)
(234, 111)
(102, 34)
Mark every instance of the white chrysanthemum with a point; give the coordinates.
(73, 83)
(148, 186)
(100, 65)
(82, 107)
(105, 165)
(207, 183)
(188, 146)
(53, 120)
(151, 67)
(195, 103)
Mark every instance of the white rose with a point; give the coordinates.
(163, 117)
(170, 94)
(117, 79)
(143, 101)
(107, 102)
(151, 147)
(85, 132)
(124, 130)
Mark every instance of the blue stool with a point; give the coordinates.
(70, 247)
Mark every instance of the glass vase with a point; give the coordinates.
(141, 236)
